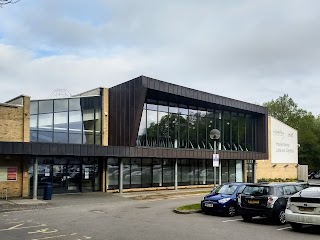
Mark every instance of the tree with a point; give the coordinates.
(285, 110)
(4, 2)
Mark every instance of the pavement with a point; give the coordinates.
(18, 204)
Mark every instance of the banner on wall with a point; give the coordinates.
(284, 143)
(8, 174)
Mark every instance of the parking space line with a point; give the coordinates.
(232, 220)
(280, 229)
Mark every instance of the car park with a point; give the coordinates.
(267, 200)
(223, 199)
(304, 208)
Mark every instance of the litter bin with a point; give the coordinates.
(47, 191)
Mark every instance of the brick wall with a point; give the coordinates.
(15, 121)
(15, 127)
(19, 188)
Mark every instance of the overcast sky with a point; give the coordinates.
(253, 51)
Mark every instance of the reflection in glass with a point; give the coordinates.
(75, 138)
(224, 171)
(45, 122)
(88, 120)
(113, 173)
(249, 133)
(163, 129)
(88, 138)
(61, 122)
(184, 169)
(33, 122)
(74, 104)
(126, 172)
(168, 172)
(60, 137)
(98, 121)
(226, 131)
(61, 105)
(135, 172)
(46, 106)
(75, 121)
(202, 129)
(157, 173)
(33, 136)
(142, 134)
(44, 136)
(152, 128)
(242, 132)
(146, 172)
(232, 171)
(34, 107)
(234, 132)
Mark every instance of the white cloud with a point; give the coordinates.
(249, 50)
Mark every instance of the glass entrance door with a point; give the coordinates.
(88, 178)
(66, 178)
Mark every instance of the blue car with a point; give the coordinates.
(223, 199)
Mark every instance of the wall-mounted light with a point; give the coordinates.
(274, 165)
(297, 165)
(286, 165)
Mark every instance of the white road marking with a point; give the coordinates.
(280, 229)
(232, 220)
(17, 227)
(58, 236)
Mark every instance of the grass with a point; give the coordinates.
(195, 206)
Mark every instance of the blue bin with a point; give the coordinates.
(47, 193)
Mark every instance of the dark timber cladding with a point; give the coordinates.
(83, 150)
(127, 99)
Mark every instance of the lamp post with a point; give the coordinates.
(214, 135)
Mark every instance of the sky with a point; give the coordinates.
(249, 50)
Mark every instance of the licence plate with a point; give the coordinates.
(253, 201)
(306, 209)
(208, 205)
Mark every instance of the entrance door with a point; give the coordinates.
(66, 178)
(88, 175)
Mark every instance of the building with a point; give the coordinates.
(143, 133)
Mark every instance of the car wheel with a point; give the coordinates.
(231, 211)
(281, 217)
(296, 226)
(246, 218)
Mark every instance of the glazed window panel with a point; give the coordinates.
(98, 122)
(34, 107)
(75, 121)
(113, 173)
(234, 132)
(163, 129)
(126, 172)
(75, 138)
(74, 104)
(46, 106)
(157, 173)
(249, 133)
(61, 105)
(60, 137)
(61, 122)
(152, 128)
(88, 138)
(146, 172)
(45, 136)
(202, 129)
(33, 122)
(226, 131)
(45, 122)
(183, 131)
(88, 121)
(142, 134)
(242, 132)
(136, 172)
(173, 125)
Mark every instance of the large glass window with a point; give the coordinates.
(152, 128)
(183, 126)
(242, 133)
(80, 125)
(45, 122)
(46, 106)
(249, 133)
(226, 144)
(136, 172)
(146, 172)
(163, 126)
(234, 132)
(202, 128)
(168, 172)
(157, 173)
(142, 134)
(126, 172)
(61, 105)
(113, 173)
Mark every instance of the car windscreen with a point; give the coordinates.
(257, 190)
(227, 189)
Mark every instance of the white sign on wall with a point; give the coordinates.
(284, 143)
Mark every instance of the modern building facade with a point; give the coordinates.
(143, 133)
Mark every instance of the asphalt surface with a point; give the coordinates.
(112, 217)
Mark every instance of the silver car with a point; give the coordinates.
(304, 208)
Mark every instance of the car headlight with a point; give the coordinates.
(224, 200)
